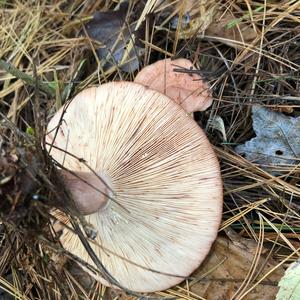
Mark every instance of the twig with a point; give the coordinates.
(37, 114)
(42, 86)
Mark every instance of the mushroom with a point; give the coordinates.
(162, 202)
(175, 79)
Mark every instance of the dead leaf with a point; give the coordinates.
(227, 265)
(277, 140)
(112, 30)
(178, 80)
(202, 18)
(233, 31)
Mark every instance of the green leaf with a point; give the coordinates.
(290, 283)
(235, 22)
(30, 131)
(53, 85)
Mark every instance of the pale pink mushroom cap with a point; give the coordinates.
(162, 171)
(188, 90)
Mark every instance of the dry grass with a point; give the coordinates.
(42, 40)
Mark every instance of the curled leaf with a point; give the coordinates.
(112, 29)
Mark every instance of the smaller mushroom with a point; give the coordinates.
(174, 79)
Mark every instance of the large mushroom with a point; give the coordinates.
(158, 205)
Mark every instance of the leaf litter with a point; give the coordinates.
(225, 268)
(51, 41)
(213, 23)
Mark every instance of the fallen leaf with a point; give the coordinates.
(231, 30)
(290, 283)
(202, 18)
(112, 30)
(228, 265)
(178, 80)
(277, 140)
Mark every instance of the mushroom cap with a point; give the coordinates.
(165, 179)
(187, 89)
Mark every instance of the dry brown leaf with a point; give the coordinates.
(232, 35)
(228, 265)
(205, 18)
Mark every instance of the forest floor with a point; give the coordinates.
(248, 52)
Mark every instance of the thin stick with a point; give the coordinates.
(42, 86)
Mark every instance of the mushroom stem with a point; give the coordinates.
(90, 193)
